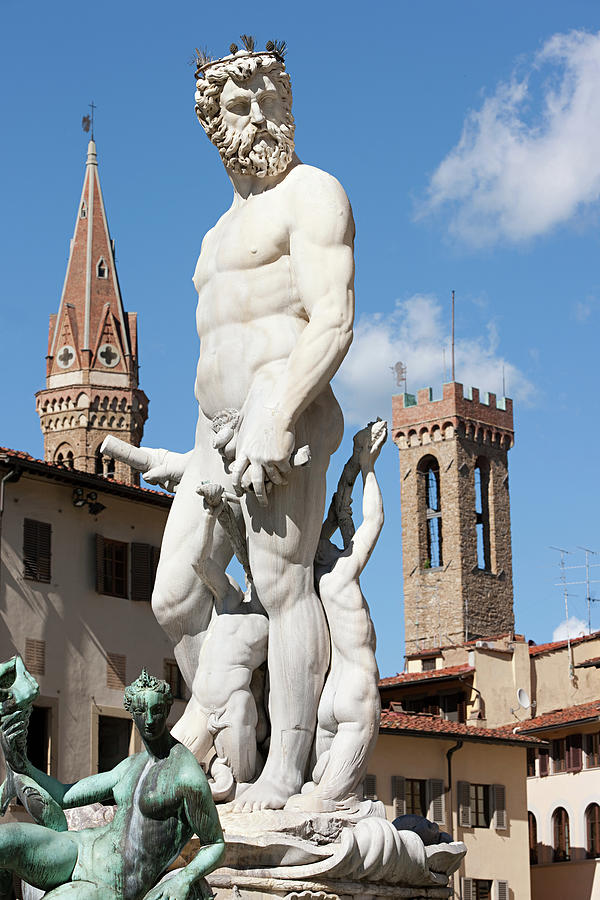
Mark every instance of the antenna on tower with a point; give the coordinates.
(563, 584)
(503, 382)
(453, 368)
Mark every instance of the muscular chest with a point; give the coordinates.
(247, 238)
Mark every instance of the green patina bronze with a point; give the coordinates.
(161, 794)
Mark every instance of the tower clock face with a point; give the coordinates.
(65, 356)
(108, 355)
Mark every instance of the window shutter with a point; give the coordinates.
(35, 656)
(501, 890)
(435, 801)
(544, 760)
(464, 805)
(37, 552)
(370, 787)
(116, 671)
(398, 796)
(467, 889)
(498, 804)
(141, 572)
(574, 756)
(99, 564)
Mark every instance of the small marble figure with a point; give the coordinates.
(223, 708)
(348, 716)
(162, 798)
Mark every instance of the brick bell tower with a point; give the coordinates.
(456, 543)
(92, 363)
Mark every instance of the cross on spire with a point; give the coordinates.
(92, 106)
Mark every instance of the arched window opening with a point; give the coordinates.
(99, 463)
(60, 459)
(592, 828)
(482, 514)
(83, 211)
(102, 269)
(562, 844)
(110, 468)
(533, 851)
(70, 460)
(430, 470)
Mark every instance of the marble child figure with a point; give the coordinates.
(275, 313)
(162, 798)
(223, 709)
(348, 716)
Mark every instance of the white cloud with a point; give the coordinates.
(529, 159)
(569, 628)
(416, 333)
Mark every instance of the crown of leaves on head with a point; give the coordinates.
(146, 682)
(278, 49)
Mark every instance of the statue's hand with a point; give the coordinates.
(368, 443)
(264, 448)
(167, 468)
(179, 887)
(13, 737)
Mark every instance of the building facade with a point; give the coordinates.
(78, 555)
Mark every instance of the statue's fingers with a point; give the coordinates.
(223, 436)
(154, 475)
(273, 474)
(257, 476)
(237, 470)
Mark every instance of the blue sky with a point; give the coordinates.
(467, 136)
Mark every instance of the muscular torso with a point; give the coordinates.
(150, 814)
(249, 315)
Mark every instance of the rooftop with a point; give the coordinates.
(430, 675)
(561, 717)
(420, 724)
(24, 462)
(538, 649)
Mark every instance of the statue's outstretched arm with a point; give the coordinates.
(93, 789)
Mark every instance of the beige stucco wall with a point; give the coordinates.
(491, 854)
(78, 625)
(554, 688)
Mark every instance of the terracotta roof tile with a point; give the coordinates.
(112, 485)
(431, 675)
(558, 717)
(537, 649)
(434, 725)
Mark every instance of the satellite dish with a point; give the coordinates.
(523, 699)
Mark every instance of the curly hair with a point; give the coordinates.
(240, 69)
(146, 682)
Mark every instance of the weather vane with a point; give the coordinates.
(87, 122)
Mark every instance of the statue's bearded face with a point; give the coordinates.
(254, 128)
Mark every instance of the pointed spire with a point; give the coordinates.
(92, 346)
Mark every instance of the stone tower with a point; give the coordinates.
(92, 363)
(456, 542)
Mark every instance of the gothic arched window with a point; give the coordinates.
(83, 211)
(560, 827)
(482, 513)
(102, 269)
(592, 829)
(430, 488)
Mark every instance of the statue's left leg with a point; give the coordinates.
(38, 855)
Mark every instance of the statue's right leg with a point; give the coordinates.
(38, 855)
(181, 603)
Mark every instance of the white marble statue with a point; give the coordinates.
(348, 715)
(274, 317)
(222, 711)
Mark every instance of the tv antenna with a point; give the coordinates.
(453, 367)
